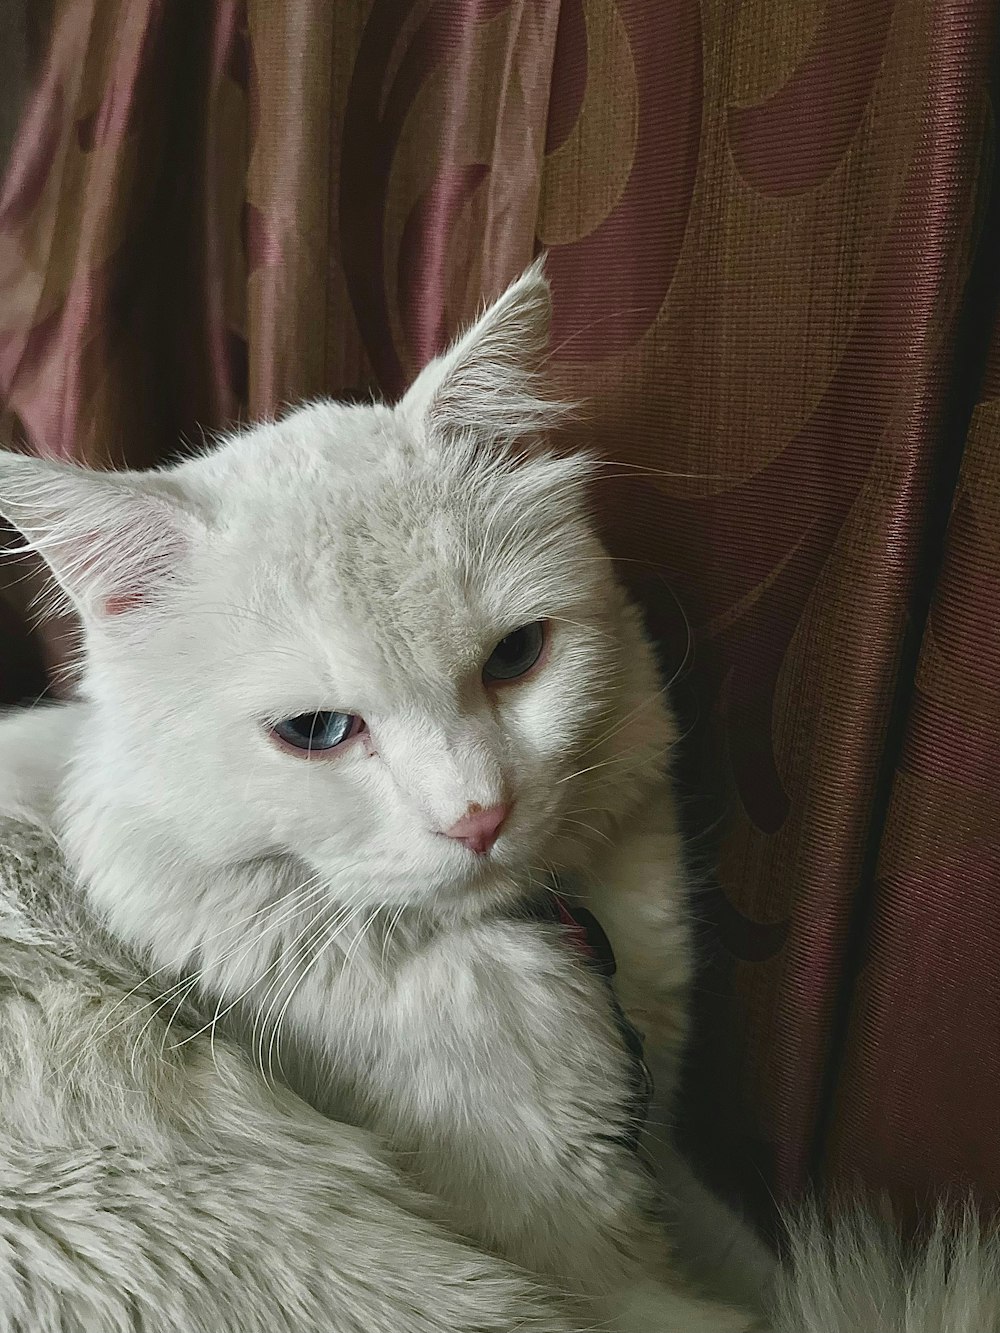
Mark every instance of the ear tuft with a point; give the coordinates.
(488, 382)
(111, 540)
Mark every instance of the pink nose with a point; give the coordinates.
(479, 828)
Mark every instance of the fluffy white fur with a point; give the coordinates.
(367, 559)
(855, 1273)
(308, 917)
(151, 1180)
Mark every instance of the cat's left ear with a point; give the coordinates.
(113, 541)
(489, 382)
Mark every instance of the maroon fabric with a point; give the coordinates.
(793, 568)
(917, 1109)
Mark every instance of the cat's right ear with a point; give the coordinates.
(113, 541)
(489, 384)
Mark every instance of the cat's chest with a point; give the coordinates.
(505, 1020)
(455, 994)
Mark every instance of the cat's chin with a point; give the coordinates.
(472, 888)
(481, 889)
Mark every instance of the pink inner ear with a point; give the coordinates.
(142, 570)
(88, 561)
(120, 603)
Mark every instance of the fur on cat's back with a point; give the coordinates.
(150, 1179)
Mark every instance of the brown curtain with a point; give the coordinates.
(772, 244)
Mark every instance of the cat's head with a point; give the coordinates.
(383, 641)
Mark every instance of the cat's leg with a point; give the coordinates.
(505, 1089)
(637, 891)
(721, 1251)
(35, 744)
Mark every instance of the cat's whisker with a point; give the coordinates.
(151, 976)
(165, 1037)
(579, 624)
(589, 828)
(648, 702)
(390, 930)
(342, 913)
(282, 967)
(150, 1019)
(188, 984)
(593, 768)
(552, 353)
(317, 891)
(354, 946)
(315, 950)
(103, 1031)
(627, 469)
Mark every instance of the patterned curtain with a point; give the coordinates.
(772, 242)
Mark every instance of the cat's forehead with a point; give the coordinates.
(349, 517)
(356, 487)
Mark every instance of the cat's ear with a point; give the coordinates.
(488, 383)
(112, 540)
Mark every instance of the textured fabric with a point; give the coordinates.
(919, 1104)
(760, 221)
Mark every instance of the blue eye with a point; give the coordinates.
(516, 653)
(314, 733)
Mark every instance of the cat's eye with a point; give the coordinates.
(316, 733)
(516, 653)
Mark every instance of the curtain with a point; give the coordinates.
(771, 236)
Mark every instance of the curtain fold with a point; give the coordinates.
(393, 183)
(760, 222)
(917, 1106)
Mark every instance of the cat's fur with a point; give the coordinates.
(854, 1274)
(229, 903)
(364, 559)
(151, 1180)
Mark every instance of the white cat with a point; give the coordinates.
(355, 686)
(358, 688)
